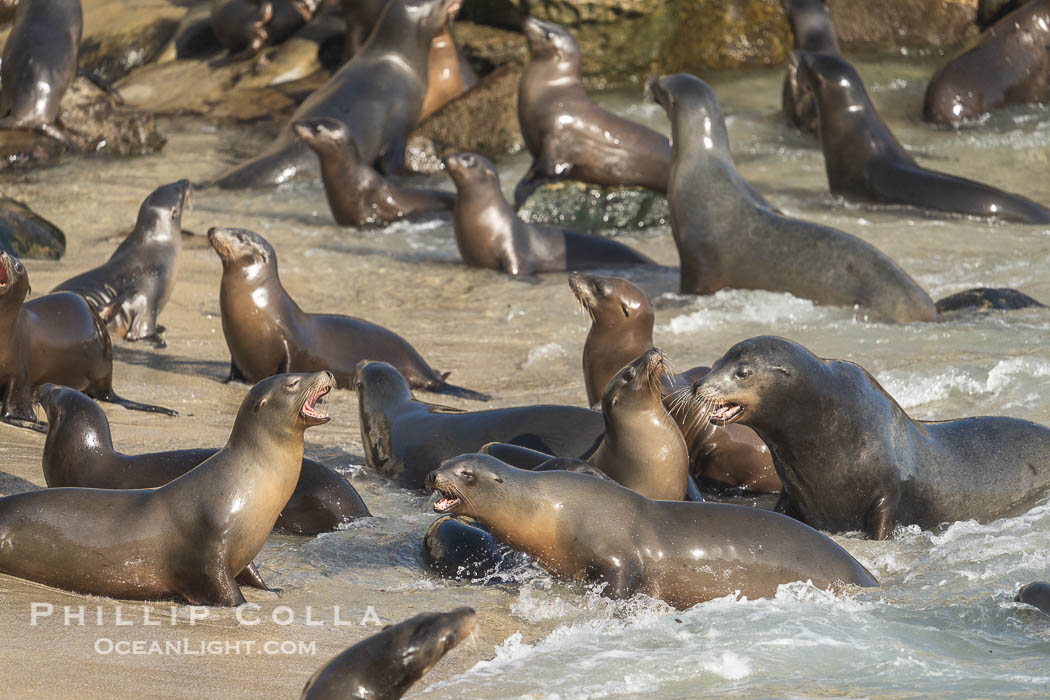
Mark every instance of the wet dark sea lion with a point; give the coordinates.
(267, 333)
(187, 539)
(813, 31)
(587, 529)
(246, 27)
(622, 321)
(1037, 594)
(130, 289)
(39, 64)
(729, 236)
(568, 135)
(850, 458)
(378, 95)
(405, 439)
(56, 338)
(385, 665)
(1010, 65)
(357, 194)
(456, 547)
(361, 17)
(79, 452)
(866, 162)
(490, 234)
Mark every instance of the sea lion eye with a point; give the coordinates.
(359, 385)
(18, 267)
(293, 384)
(743, 373)
(497, 478)
(467, 475)
(628, 374)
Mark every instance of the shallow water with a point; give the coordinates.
(943, 622)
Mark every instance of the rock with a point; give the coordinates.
(585, 207)
(483, 120)
(487, 48)
(727, 34)
(120, 35)
(904, 22)
(7, 10)
(26, 234)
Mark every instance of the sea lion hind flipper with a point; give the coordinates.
(31, 424)
(102, 84)
(987, 299)
(692, 491)
(112, 397)
(444, 387)
(516, 455)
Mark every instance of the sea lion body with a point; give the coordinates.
(682, 553)
(568, 135)
(448, 74)
(187, 539)
(405, 439)
(813, 31)
(1037, 594)
(357, 194)
(850, 458)
(1010, 65)
(79, 452)
(490, 234)
(729, 236)
(865, 161)
(130, 289)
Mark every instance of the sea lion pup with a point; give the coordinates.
(55, 338)
(39, 64)
(456, 547)
(1010, 65)
(568, 135)
(267, 333)
(683, 553)
(1037, 594)
(378, 94)
(449, 75)
(490, 234)
(357, 194)
(865, 161)
(246, 27)
(729, 236)
(850, 458)
(813, 31)
(621, 328)
(385, 665)
(404, 438)
(130, 289)
(79, 452)
(187, 539)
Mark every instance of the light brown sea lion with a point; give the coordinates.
(268, 333)
(131, 288)
(683, 553)
(187, 539)
(55, 338)
(385, 665)
(448, 75)
(850, 458)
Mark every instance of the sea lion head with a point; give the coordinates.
(834, 82)
(430, 16)
(244, 250)
(470, 485)
(380, 388)
(549, 41)
(160, 216)
(636, 386)
(692, 108)
(69, 407)
(326, 135)
(14, 281)
(471, 169)
(612, 302)
(287, 403)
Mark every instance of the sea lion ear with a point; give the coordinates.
(783, 370)
(626, 311)
(497, 478)
(260, 403)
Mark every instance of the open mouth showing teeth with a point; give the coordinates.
(3, 275)
(312, 408)
(726, 412)
(446, 503)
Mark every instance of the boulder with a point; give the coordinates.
(593, 209)
(26, 234)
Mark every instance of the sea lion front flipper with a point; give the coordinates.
(881, 519)
(236, 375)
(18, 408)
(692, 491)
(220, 588)
(253, 579)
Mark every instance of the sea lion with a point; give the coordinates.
(864, 161)
(448, 74)
(568, 135)
(1010, 65)
(728, 235)
(456, 547)
(991, 11)
(490, 234)
(682, 553)
(130, 289)
(813, 31)
(405, 438)
(79, 452)
(378, 94)
(246, 27)
(385, 665)
(1037, 594)
(55, 338)
(622, 327)
(267, 333)
(39, 64)
(361, 18)
(357, 194)
(850, 458)
(187, 539)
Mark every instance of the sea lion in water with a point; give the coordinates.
(267, 333)
(55, 338)
(813, 31)
(850, 458)
(357, 194)
(187, 539)
(79, 452)
(1037, 594)
(1010, 65)
(621, 328)
(246, 27)
(865, 161)
(378, 95)
(568, 135)
(682, 553)
(405, 439)
(728, 235)
(130, 289)
(490, 234)
(456, 547)
(39, 64)
(385, 665)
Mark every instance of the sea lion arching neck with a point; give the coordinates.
(401, 36)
